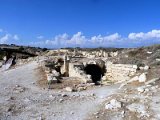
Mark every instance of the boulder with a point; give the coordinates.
(135, 66)
(142, 77)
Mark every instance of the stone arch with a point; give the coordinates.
(95, 71)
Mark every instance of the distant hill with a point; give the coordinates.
(21, 51)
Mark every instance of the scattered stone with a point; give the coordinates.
(64, 95)
(96, 113)
(113, 104)
(50, 96)
(122, 113)
(69, 89)
(146, 67)
(11, 108)
(18, 89)
(146, 90)
(33, 83)
(142, 77)
(61, 100)
(71, 112)
(135, 66)
(17, 85)
(97, 116)
(92, 94)
(140, 89)
(149, 52)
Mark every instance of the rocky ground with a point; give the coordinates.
(23, 98)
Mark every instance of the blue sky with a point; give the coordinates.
(84, 23)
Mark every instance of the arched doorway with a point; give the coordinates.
(95, 71)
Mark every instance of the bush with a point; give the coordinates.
(140, 65)
(21, 48)
(44, 49)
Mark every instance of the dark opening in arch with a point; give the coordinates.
(95, 71)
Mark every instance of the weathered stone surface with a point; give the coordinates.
(137, 107)
(120, 72)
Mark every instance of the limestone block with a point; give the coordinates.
(135, 66)
(142, 77)
(55, 73)
(69, 89)
(140, 89)
(146, 67)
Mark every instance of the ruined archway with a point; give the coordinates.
(95, 71)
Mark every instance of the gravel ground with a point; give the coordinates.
(22, 99)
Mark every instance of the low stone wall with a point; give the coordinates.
(119, 72)
(76, 70)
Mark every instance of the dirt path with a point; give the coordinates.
(22, 99)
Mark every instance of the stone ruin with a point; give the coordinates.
(87, 70)
(88, 67)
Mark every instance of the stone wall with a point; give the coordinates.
(76, 70)
(119, 72)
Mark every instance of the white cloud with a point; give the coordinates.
(8, 38)
(77, 39)
(15, 37)
(112, 37)
(103, 39)
(154, 34)
(5, 38)
(111, 40)
(40, 37)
